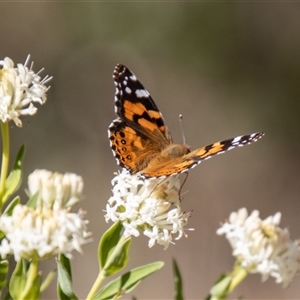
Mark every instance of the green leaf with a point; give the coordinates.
(118, 258)
(65, 289)
(32, 201)
(13, 181)
(48, 280)
(34, 292)
(127, 282)
(220, 288)
(177, 281)
(18, 280)
(10, 207)
(25, 281)
(3, 273)
(113, 250)
(108, 242)
(66, 263)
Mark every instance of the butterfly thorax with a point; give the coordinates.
(175, 150)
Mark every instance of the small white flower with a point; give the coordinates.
(41, 233)
(150, 206)
(261, 246)
(19, 88)
(55, 190)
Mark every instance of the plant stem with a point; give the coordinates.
(239, 275)
(31, 275)
(5, 159)
(96, 285)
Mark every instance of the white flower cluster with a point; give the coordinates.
(55, 190)
(19, 88)
(41, 232)
(261, 246)
(150, 206)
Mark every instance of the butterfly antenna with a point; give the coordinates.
(184, 181)
(181, 128)
(157, 186)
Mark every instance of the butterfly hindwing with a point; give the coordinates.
(184, 163)
(130, 149)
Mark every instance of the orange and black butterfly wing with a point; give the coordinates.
(139, 133)
(134, 104)
(184, 163)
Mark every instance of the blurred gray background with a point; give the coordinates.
(229, 68)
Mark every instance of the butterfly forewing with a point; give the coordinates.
(134, 105)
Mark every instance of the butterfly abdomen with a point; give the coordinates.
(175, 150)
(169, 156)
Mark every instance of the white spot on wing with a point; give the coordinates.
(142, 93)
(236, 139)
(124, 82)
(220, 152)
(133, 77)
(128, 90)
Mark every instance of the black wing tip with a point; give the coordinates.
(257, 135)
(118, 70)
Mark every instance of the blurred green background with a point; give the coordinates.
(229, 68)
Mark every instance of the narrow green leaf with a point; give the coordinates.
(118, 258)
(10, 207)
(48, 280)
(13, 181)
(127, 282)
(177, 282)
(18, 280)
(32, 201)
(220, 288)
(65, 290)
(66, 263)
(3, 273)
(108, 242)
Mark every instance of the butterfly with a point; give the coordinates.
(141, 141)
